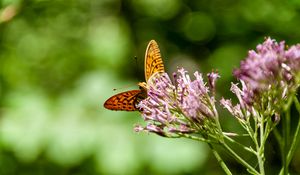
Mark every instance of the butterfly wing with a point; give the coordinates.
(125, 101)
(153, 60)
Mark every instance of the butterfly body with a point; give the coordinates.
(127, 101)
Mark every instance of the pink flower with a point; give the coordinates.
(268, 77)
(178, 109)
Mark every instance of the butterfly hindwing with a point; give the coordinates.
(124, 101)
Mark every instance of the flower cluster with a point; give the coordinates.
(268, 76)
(268, 80)
(177, 108)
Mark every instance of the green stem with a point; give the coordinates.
(197, 138)
(209, 142)
(235, 134)
(296, 138)
(288, 125)
(239, 159)
(268, 129)
(294, 143)
(260, 147)
(239, 144)
(220, 160)
(250, 131)
(285, 133)
(278, 137)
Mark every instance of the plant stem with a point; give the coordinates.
(220, 160)
(296, 138)
(288, 125)
(239, 144)
(197, 138)
(260, 147)
(239, 159)
(285, 133)
(235, 134)
(278, 138)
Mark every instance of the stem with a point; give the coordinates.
(220, 160)
(239, 144)
(294, 143)
(252, 133)
(296, 138)
(288, 125)
(285, 133)
(278, 138)
(216, 115)
(198, 138)
(260, 147)
(239, 159)
(235, 134)
(268, 128)
(209, 142)
(260, 162)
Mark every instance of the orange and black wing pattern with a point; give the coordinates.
(127, 101)
(124, 101)
(153, 60)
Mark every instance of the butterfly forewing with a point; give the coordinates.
(124, 101)
(153, 60)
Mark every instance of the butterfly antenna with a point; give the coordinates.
(136, 61)
(125, 87)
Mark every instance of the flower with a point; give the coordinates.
(293, 60)
(268, 77)
(172, 110)
(212, 78)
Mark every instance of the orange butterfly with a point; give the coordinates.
(127, 101)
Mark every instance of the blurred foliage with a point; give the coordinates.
(60, 60)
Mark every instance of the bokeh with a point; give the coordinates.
(60, 60)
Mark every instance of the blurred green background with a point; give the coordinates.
(60, 60)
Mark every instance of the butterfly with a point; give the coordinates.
(127, 101)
